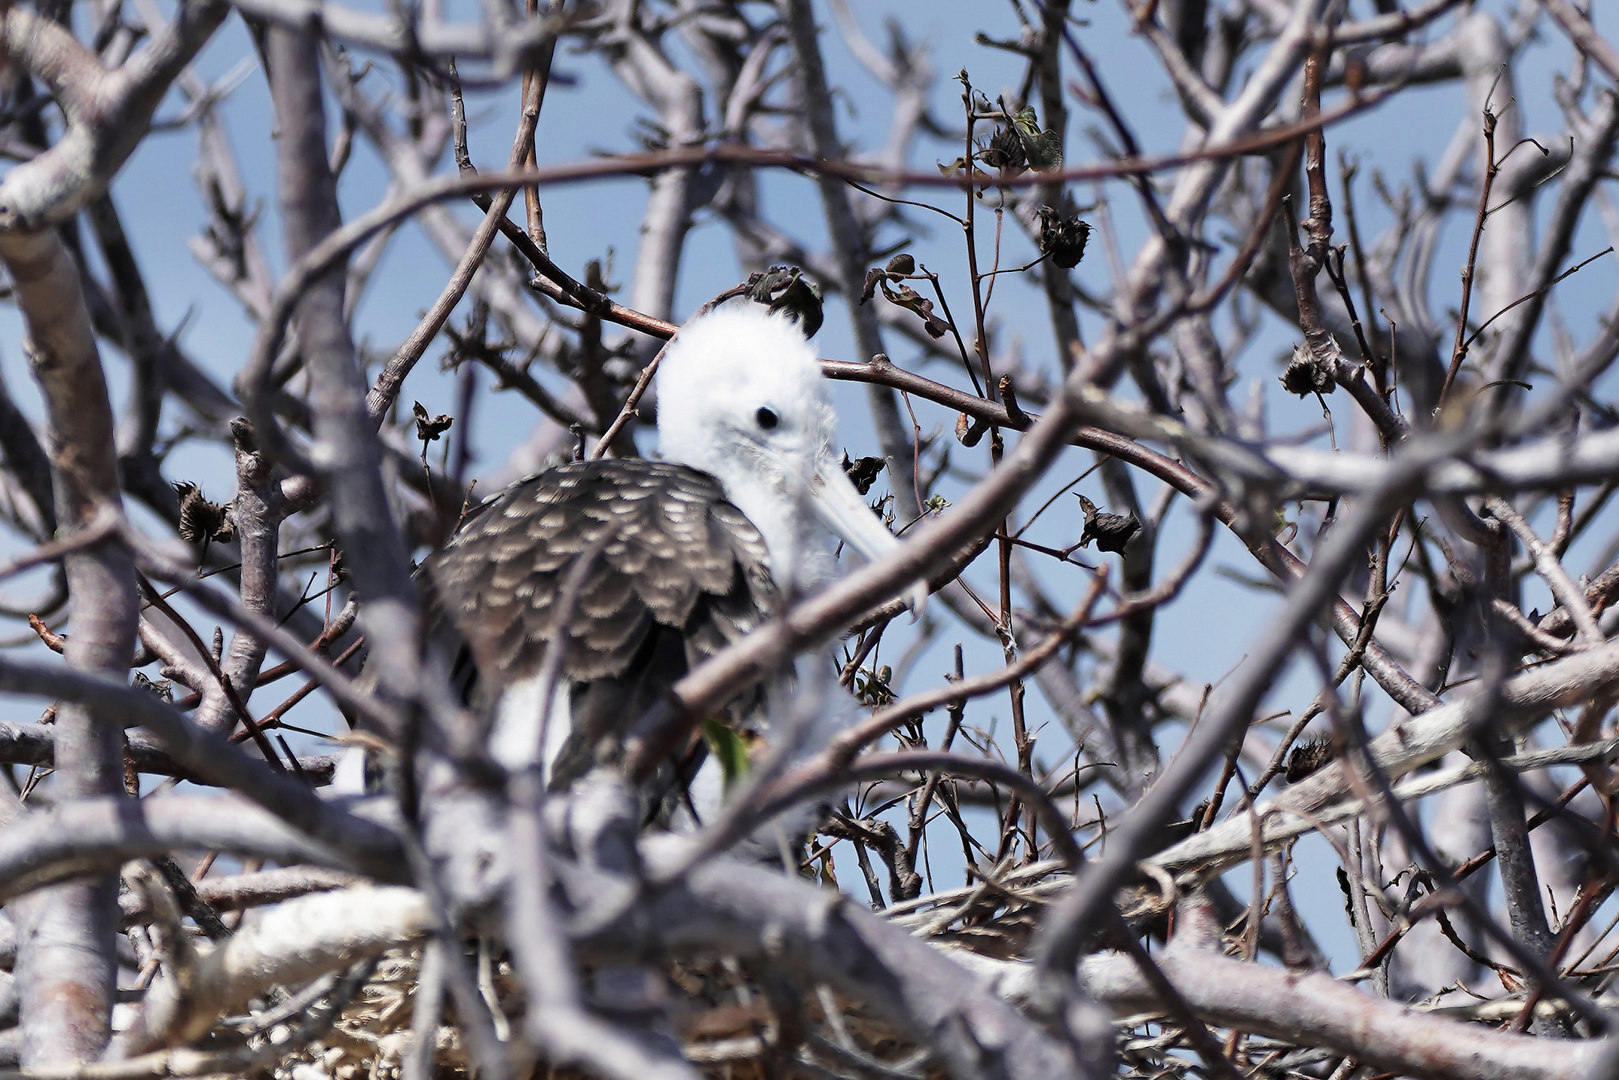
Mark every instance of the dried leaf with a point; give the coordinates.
(1110, 531)
(429, 428)
(907, 297)
(873, 276)
(785, 289)
(874, 688)
(862, 472)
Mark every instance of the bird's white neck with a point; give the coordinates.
(801, 549)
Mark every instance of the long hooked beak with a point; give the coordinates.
(842, 509)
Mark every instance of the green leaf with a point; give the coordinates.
(729, 747)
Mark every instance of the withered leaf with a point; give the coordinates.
(1110, 531)
(862, 472)
(429, 428)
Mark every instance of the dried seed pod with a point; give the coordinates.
(1306, 758)
(1063, 236)
(1308, 374)
(162, 688)
(200, 519)
(1005, 151)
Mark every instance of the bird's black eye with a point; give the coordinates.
(767, 419)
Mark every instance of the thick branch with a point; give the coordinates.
(108, 113)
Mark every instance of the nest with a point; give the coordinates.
(730, 1020)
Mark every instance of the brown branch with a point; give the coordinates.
(227, 689)
(853, 739)
(392, 377)
(1458, 352)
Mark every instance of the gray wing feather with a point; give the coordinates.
(673, 554)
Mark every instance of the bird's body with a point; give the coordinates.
(677, 574)
(681, 557)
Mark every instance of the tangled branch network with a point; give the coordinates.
(1102, 563)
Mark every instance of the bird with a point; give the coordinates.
(640, 569)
